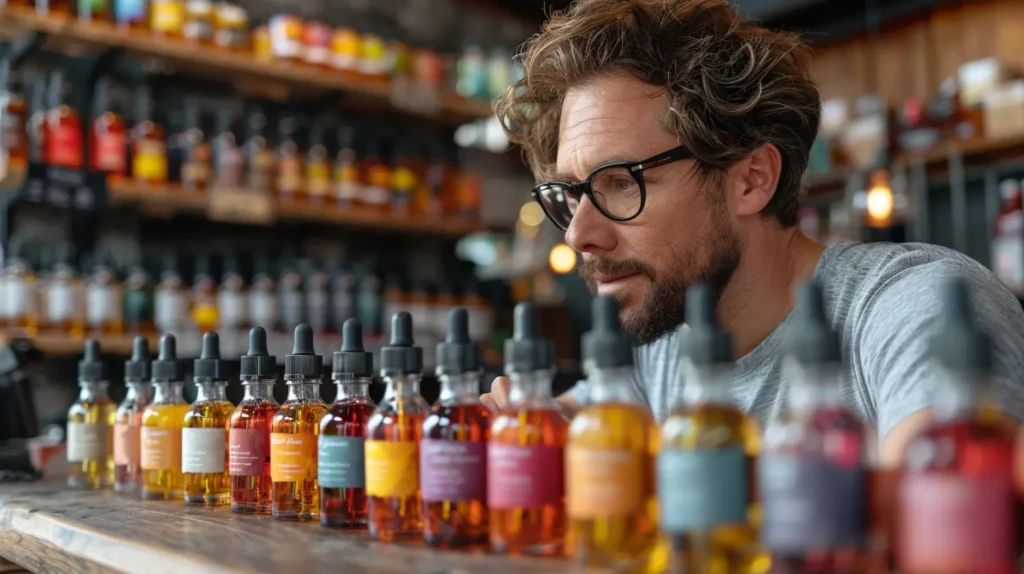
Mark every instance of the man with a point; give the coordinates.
(680, 134)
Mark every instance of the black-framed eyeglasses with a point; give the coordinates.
(617, 189)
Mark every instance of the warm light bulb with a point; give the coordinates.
(879, 204)
(531, 214)
(562, 259)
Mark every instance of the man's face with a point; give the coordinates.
(683, 236)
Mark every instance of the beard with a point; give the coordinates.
(663, 308)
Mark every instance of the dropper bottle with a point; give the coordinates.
(955, 507)
(161, 427)
(341, 448)
(90, 425)
(294, 430)
(527, 447)
(454, 444)
(204, 439)
(609, 455)
(127, 467)
(393, 439)
(812, 469)
(249, 437)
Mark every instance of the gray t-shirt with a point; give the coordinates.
(884, 300)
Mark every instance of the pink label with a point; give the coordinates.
(453, 470)
(524, 476)
(248, 452)
(126, 445)
(956, 524)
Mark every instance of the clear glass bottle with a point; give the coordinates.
(65, 309)
(104, 300)
(250, 426)
(128, 421)
(341, 447)
(232, 301)
(527, 447)
(293, 439)
(162, 420)
(170, 300)
(19, 307)
(204, 434)
(90, 444)
(263, 309)
(453, 452)
(393, 439)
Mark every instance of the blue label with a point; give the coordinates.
(130, 11)
(699, 489)
(341, 462)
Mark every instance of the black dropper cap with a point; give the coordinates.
(605, 346)
(166, 366)
(457, 354)
(137, 367)
(209, 365)
(401, 356)
(352, 358)
(303, 360)
(258, 362)
(90, 368)
(526, 351)
(960, 345)
(706, 343)
(812, 341)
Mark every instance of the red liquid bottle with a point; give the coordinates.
(812, 470)
(453, 452)
(393, 439)
(341, 447)
(525, 485)
(955, 505)
(62, 127)
(249, 437)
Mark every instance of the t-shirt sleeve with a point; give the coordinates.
(894, 339)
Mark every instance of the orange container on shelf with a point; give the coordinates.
(316, 44)
(346, 47)
(262, 48)
(231, 23)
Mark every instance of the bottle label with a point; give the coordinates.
(110, 152)
(150, 161)
(130, 11)
(59, 302)
(955, 523)
(248, 452)
(126, 443)
(289, 175)
(231, 305)
(392, 468)
(161, 448)
(203, 450)
(16, 297)
(87, 441)
(700, 489)
(603, 483)
(346, 183)
(342, 462)
(453, 470)
(524, 476)
(263, 308)
(811, 504)
(292, 457)
(64, 146)
(169, 311)
(99, 304)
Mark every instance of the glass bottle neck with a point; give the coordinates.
(532, 385)
(707, 384)
(814, 386)
(302, 388)
(168, 392)
(351, 387)
(92, 390)
(211, 390)
(460, 386)
(401, 386)
(257, 388)
(136, 390)
(613, 385)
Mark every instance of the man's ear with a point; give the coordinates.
(757, 178)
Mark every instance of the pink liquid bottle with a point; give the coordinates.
(812, 469)
(127, 445)
(955, 501)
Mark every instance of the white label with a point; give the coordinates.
(232, 308)
(59, 302)
(1008, 261)
(169, 309)
(203, 450)
(479, 324)
(263, 309)
(347, 191)
(375, 195)
(98, 304)
(87, 441)
(16, 300)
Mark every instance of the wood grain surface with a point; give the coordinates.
(53, 529)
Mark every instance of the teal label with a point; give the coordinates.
(701, 488)
(341, 462)
(130, 11)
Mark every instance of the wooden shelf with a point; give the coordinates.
(240, 67)
(64, 345)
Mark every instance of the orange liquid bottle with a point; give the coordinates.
(393, 439)
(249, 438)
(527, 447)
(453, 452)
(127, 454)
(162, 421)
(13, 122)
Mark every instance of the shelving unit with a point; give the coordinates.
(63, 345)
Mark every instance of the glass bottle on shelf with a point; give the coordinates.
(376, 189)
(13, 121)
(232, 27)
(403, 177)
(90, 437)
(204, 439)
(167, 18)
(149, 150)
(318, 165)
(316, 283)
(170, 301)
(197, 156)
(138, 300)
(291, 293)
(229, 161)
(104, 300)
(108, 145)
(64, 303)
(128, 420)
(263, 310)
(347, 179)
(132, 14)
(18, 289)
(289, 160)
(232, 302)
(259, 157)
(205, 314)
(250, 428)
(62, 127)
(94, 10)
(199, 21)
(1008, 243)
(162, 420)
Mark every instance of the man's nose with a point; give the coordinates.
(590, 231)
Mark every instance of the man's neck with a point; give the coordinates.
(761, 292)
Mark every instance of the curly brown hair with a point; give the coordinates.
(732, 85)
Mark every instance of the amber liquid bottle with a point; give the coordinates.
(108, 137)
(955, 508)
(13, 122)
(197, 157)
(289, 161)
(128, 421)
(90, 444)
(341, 448)
(204, 436)
(249, 438)
(453, 452)
(347, 177)
(161, 427)
(149, 150)
(393, 438)
(62, 127)
(259, 157)
(294, 430)
(527, 448)
(318, 165)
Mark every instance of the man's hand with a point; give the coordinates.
(497, 399)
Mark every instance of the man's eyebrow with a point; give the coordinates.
(613, 159)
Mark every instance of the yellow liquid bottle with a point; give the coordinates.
(294, 433)
(610, 457)
(704, 468)
(204, 433)
(161, 427)
(91, 425)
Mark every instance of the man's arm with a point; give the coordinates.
(497, 399)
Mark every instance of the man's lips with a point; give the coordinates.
(610, 284)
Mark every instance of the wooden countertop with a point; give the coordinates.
(47, 527)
